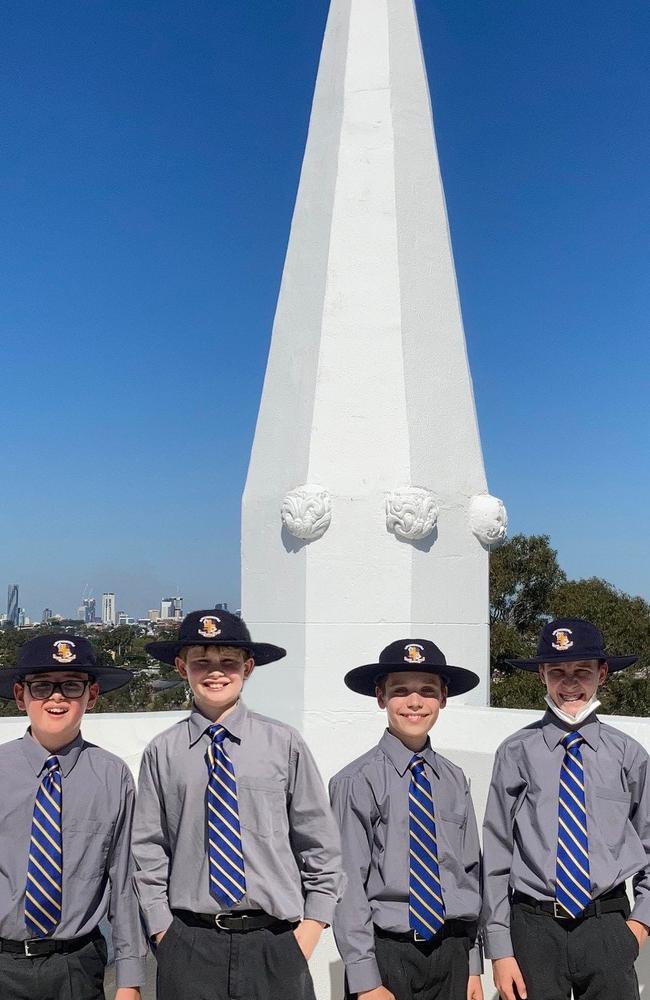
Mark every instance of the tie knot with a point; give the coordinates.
(572, 740)
(217, 733)
(52, 764)
(416, 764)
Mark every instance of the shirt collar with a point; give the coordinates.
(37, 755)
(400, 756)
(234, 723)
(555, 730)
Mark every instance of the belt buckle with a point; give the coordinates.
(561, 913)
(27, 951)
(218, 918)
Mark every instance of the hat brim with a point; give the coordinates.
(262, 652)
(108, 678)
(615, 663)
(363, 680)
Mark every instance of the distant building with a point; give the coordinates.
(153, 614)
(88, 605)
(12, 604)
(221, 607)
(22, 618)
(108, 609)
(46, 616)
(123, 618)
(171, 607)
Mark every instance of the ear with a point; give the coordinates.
(249, 667)
(381, 697)
(443, 696)
(93, 695)
(181, 667)
(19, 696)
(603, 671)
(541, 674)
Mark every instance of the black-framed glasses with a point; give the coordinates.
(41, 690)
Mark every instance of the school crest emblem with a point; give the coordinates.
(64, 651)
(562, 640)
(209, 626)
(414, 653)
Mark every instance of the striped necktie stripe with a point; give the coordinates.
(44, 889)
(573, 882)
(225, 855)
(426, 906)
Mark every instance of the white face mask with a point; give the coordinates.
(573, 720)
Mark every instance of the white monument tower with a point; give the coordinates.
(366, 516)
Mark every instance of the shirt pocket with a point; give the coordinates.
(262, 806)
(612, 813)
(449, 830)
(86, 846)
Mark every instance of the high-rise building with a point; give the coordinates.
(108, 609)
(171, 607)
(88, 605)
(12, 603)
(154, 614)
(46, 616)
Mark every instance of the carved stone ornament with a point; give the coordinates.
(307, 512)
(411, 512)
(488, 519)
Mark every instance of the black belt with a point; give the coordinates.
(610, 902)
(237, 922)
(38, 947)
(450, 928)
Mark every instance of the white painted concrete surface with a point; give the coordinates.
(467, 735)
(367, 391)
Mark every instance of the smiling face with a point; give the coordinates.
(412, 700)
(216, 675)
(573, 684)
(55, 721)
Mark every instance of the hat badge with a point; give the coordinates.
(562, 640)
(64, 651)
(209, 626)
(414, 653)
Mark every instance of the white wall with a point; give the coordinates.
(468, 735)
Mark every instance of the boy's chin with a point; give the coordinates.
(211, 705)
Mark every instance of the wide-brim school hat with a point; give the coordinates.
(214, 628)
(60, 652)
(572, 639)
(420, 655)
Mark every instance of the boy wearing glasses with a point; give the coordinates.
(66, 832)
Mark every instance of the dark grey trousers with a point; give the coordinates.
(423, 971)
(593, 957)
(78, 975)
(199, 963)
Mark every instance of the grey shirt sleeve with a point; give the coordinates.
(151, 849)
(498, 844)
(314, 836)
(126, 928)
(639, 785)
(472, 865)
(353, 927)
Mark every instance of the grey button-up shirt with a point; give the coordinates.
(521, 819)
(290, 841)
(370, 802)
(98, 794)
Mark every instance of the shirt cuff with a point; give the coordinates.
(476, 960)
(641, 910)
(363, 975)
(497, 944)
(129, 972)
(157, 918)
(319, 906)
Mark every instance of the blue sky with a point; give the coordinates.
(150, 163)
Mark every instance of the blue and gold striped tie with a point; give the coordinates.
(573, 883)
(227, 877)
(43, 891)
(426, 906)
